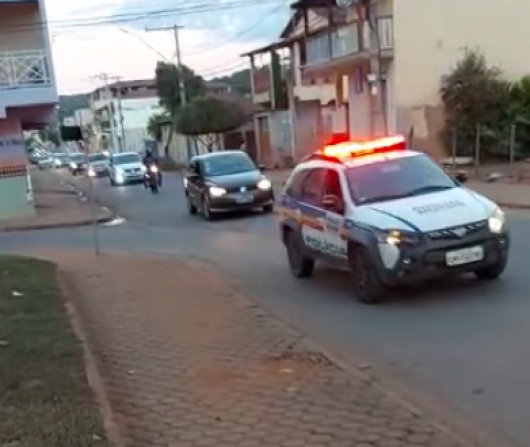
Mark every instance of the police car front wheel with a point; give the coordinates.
(492, 272)
(368, 288)
(301, 266)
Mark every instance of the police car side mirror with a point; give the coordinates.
(331, 202)
(462, 177)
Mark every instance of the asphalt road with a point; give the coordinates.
(465, 345)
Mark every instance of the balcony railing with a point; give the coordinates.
(23, 69)
(345, 41)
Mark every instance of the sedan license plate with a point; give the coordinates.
(245, 198)
(464, 256)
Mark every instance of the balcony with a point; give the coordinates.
(348, 44)
(26, 79)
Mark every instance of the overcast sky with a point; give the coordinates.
(94, 36)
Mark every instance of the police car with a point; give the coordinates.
(389, 215)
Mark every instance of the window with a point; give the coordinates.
(227, 164)
(397, 178)
(312, 187)
(332, 187)
(294, 185)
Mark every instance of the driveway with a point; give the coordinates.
(463, 346)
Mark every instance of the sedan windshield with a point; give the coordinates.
(126, 159)
(77, 158)
(396, 179)
(227, 164)
(96, 157)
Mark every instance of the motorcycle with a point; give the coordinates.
(152, 179)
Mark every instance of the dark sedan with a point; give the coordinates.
(225, 181)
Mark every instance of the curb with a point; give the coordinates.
(514, 206)
(93, 376)
(80, 223)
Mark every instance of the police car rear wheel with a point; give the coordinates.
(301, 266)
(368, 287)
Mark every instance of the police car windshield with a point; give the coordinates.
(396, 179)
(228, 164)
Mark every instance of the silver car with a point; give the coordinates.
(98, 165)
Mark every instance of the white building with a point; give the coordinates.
(28, 96)
(120, 113)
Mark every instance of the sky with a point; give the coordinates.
(90, 37)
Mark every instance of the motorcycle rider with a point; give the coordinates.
(150, 159)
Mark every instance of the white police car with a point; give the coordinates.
(390, 215)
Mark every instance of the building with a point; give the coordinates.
(121, 111)
(299, 110)
(28, 97)
(394, 53)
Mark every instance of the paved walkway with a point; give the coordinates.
(510, 195)
(56, 206)
(186, 361)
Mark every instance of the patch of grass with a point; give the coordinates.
(45, 399)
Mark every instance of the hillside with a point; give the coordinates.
(70, 103)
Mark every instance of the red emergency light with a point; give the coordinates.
(351, 149)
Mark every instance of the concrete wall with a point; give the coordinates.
(23, 20)
(14, 200)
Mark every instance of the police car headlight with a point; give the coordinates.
(397, 237)
(215, 191)
(264, 184)
(91, 172)
(497, 221)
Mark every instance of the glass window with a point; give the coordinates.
(396, 179)
(227, 164)
(77, 158)
(96, 157)
(293, 186)
(312, 187)
(126, 159)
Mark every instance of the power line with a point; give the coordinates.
(130, 18)
(241, 33)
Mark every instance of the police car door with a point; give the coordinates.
(334, 206)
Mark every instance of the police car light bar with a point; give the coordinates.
(354, 149)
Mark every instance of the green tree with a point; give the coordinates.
(155, 124)
(168, 82)
(475, 94)
(205, 118)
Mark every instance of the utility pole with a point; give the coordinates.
(178, 62)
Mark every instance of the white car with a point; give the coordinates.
(126, 168)
(98, 165)
(388, 215)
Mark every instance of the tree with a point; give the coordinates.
(204, 118)
(167, 78)
(474, 95)
(155, 124)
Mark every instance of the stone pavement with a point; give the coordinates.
(508, 195)
(187, 362)
(56, 206)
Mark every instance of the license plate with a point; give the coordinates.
(464, 256)
(245, 198)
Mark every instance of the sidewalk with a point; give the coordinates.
(508, 195)
(186, 361)
(56, 206)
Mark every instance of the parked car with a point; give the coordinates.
(126, 168)
(77, 163)
(98, 165)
